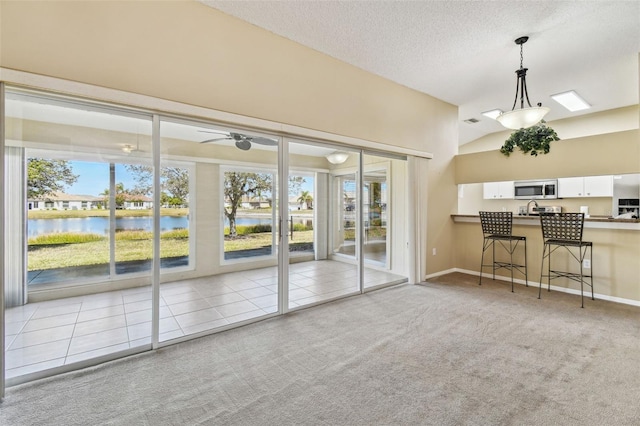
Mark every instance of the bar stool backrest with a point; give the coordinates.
(562, 226)
(496, 223)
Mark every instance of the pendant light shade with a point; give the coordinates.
(523, 117)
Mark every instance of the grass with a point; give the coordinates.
(72, 249)
(64, 250)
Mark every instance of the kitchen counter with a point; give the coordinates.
(594, 222)
(616, 250)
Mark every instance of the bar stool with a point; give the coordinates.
(496, 227)
(565, 230)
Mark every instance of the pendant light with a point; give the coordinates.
(523, 117)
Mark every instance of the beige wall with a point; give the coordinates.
(189, 53)
(611, 153)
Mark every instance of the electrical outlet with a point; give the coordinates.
(434, 251)
(586, 263)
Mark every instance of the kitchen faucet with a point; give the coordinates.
(534, 202)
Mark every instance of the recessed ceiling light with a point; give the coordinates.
(571, 101)
(471, 120)
(493, 114)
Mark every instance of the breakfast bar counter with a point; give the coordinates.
(616, 250)
(594, 222)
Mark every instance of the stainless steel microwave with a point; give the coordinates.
(535, 190)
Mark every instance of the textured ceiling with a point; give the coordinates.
(463, 52)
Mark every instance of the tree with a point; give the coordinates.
(305, 198)
(236, 186)
(44, 177)
(174, 182)
(121, 195)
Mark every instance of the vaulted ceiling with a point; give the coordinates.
(463, 52)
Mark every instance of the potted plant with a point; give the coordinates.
(535, 140)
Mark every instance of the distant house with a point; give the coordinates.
(254, 203)
(61, 201)
(137, 202)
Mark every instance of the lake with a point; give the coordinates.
(100, 225)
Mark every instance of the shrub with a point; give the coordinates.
(64, 238)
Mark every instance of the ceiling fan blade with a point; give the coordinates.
(244, 145)
(264, 141)
(216, 139)
(213, 131)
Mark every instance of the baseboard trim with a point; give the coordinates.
(536, 284)
(441, 273)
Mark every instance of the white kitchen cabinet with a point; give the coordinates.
(589, 186)
(498, 190)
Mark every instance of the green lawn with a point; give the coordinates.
(69, 250)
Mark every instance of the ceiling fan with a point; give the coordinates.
(242, 142)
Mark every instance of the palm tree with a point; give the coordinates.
(305, 198)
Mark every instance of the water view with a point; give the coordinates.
(100, 225)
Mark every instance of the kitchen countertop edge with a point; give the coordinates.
(596, 222)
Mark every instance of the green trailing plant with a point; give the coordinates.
(534, 140)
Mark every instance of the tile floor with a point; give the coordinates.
(50, 334)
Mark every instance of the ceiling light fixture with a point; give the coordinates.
(337, 157)
(127, 149)
(571, 101)
(523, 117)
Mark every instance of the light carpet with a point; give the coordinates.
(446, 352)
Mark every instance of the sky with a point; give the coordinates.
(93, 178)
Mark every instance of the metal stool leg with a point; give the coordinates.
(591, 260)
(544, 254)
(526, 278)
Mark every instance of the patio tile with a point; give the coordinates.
(236, 308)
(168, 324)
(243, 285)
(98, 313)
(56, 310)
(210, 290)
(174, 334)
(255, 292)
(99, 325)
(36, 354)
(14, 327)
(139, 331)
(245, 316)
(19, 313)
(190, 306)
(96, 353)
(50, 322)
(300, 293)
(33, 368)
(198, 317)
(173, 289)
(137, 297)
(224, 299)
(205, 326)
(267, 301)
(99, 340)
(42, 336)
(172, 299)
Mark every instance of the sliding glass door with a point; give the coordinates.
(126, 231)
(322, 223)
(221, 184)
(81, 229)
